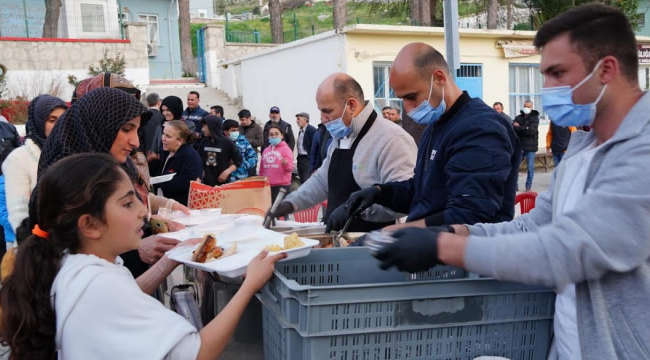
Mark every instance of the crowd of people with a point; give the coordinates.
(81, 204)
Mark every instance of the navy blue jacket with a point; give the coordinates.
(186, 163)
(466, 170)
(318, 151)
(308, 138)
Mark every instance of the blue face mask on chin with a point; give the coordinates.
(426, 114)
(337, 127)
(559, 106)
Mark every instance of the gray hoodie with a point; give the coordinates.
(603, 246)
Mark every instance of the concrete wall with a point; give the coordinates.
(286, 76)
(36, 67)
(160, 66)
(218, 52)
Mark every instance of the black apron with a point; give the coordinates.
(341, 183)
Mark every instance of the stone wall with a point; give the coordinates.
(35, 66)
(218, 52)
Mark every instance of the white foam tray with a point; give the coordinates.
(251, 240)
(198, 217)
(161, 179)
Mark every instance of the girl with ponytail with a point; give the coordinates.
(70, 297)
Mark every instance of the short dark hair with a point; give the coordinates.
(244, 114)
(596, 31)
(218, 109)
(348, 88)
(386, 108)
(198, 96)
(497, 103)
(153, 99)
(279, 128)
(429, 60)
(229, 124)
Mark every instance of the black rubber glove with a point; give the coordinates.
(337, 219)
(414, 250)
(361, 200)
(285, 208)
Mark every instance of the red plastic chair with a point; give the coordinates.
(526, 200)
(307, 215)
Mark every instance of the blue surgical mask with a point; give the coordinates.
(559, 106)
(337, 127)
(426, 114)
(275, 141)
(234, 135)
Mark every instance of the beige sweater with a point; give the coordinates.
(20, 170)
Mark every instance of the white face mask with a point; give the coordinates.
(527, 110)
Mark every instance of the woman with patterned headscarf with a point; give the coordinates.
(106, 79)
(20, 168)
(106, 120)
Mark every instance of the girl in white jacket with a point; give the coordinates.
(69, 295)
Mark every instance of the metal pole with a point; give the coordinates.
(295, 27)
(227, 31)
(171, 39)
(25, 16)
(119, 3)
(313, 32)
(451, 35)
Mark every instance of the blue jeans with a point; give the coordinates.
(557, 158)
(529, 157)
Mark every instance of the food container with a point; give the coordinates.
(250, 242)
(325, 239)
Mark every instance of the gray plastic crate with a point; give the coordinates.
(343, 292)
(515, 340)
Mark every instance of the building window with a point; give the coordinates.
(92, 18)
(124, 17)
(525, 84)
(152, 27)
(640, 21)
(203, 13)
(384, 95)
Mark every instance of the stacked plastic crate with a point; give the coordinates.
(336, 304)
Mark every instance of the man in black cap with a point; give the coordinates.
(305, 139)
(276, 119)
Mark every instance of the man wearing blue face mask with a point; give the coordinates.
(366, 150)
(527, 128)
(468, 156)
(589, 235)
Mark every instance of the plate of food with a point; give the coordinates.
(228, 253)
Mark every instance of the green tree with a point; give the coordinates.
(545, 10)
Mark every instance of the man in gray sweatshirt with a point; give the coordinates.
(588, 236)
(366, 150)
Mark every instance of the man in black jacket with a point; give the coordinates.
(526, 126)
(153, 102)
(305, 139)
(276, 119)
